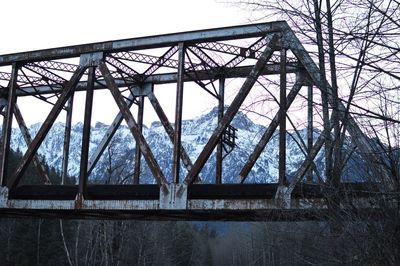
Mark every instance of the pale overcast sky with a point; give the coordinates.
(40, 24)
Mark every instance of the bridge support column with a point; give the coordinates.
(283, 197)
(178, 116)
(282, 122)
(219, 157)
(173, 197)
(138, 154)
(7, 125)
(83, 176)
(310, 138)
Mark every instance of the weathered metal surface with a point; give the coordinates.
(138, 154)
(130, 121)
(282, 118)
(174, 197)
(218, 156)
(86, 133)
(198, 202)
(310, 127)
(203, 55)
(230, 112)
(178, 116)
(42, 88)
(7, 125)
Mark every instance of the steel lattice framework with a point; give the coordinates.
(136, 65)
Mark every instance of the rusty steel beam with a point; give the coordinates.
(310, 129)
(250, 202)
(28, 140)
(155, 61)
(230, 49)
(130, 121)
(86, 134)
(166, 78)
(158, 41)
(282, 122)
(267, 134)
(169, 129)
(67, 139)
(218, 156)
(231, 111)
(138, 154)
(178, 116)
(7, 125)
(44, 129)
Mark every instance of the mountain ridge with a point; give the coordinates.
(195, 134)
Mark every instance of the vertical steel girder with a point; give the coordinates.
(231, 111)
(282, 122)
(138, 154)
(133, 126)
(44, 129)
(310, 137)
(7, 125)
(86, 134)
(218, 156)
(178, 116)
(28, 140)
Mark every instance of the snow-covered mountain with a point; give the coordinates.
(117, 160)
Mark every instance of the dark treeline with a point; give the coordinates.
(29, 241)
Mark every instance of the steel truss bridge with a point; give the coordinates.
(130, 69)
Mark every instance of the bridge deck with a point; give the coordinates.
(204, 202)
